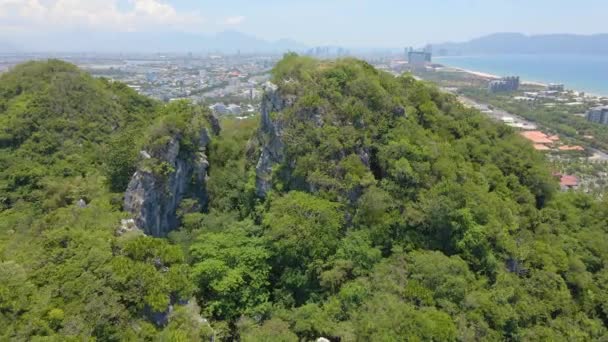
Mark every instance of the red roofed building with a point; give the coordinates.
(568, 182)
(541, 147)
(571, 148)
(537, 137)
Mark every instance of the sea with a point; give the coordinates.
(588, 73)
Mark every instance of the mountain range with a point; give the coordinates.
(148, 42)
(234, 41)
(505, 43)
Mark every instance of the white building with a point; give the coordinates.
(219, 108)
(235, 109)
(555, 86)
(598, 115)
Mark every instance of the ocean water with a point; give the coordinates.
(587, 73)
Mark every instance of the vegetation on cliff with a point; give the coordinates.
(391, 212)
(69, 145)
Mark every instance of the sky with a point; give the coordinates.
(350, 23)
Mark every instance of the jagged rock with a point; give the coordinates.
(215, 124)
(81, 203)
(272, 145)
(399, 111)
(363, 154)
(145, 155)
(160, 319)
(190, 311)
(153, 199)
(126, 226)
(515, 266)
(270, 136)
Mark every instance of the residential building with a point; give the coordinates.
(572, 148)
(510, 83)
(568, 182)
(539, 138)
(555, 86)
(419, 59)
(598, 115)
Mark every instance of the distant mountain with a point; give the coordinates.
(149, 42)
(505, 43)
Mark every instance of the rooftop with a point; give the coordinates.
(571, 148)
(541, 147)
(537, 137)
(568, 181)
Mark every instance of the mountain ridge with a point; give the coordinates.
(228, 41)
(358, 206)
(506, 42)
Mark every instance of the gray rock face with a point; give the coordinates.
(153, 199)
(215, 124)
(399, 111)
(270, 136)
(127, 226)
(81, 203)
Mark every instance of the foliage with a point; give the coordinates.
(68, 142)
(231, 270)
(395, 214)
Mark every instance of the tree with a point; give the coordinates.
(303, 230)
(231, 271)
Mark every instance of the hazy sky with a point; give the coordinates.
(355, 23)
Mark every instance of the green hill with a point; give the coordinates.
(68, 147)
(359, 206)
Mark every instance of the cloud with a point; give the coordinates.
(36, 15)
(235, 20)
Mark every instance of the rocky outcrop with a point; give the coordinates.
(270, 137)
(214, 122)
(153, 197)
(278, 111)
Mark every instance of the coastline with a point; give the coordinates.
(492, 76)
(581, 75)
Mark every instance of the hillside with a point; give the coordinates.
(517, 43)
(69, 146)
(358, 207)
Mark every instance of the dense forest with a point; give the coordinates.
(358, 206)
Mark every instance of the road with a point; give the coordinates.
(516, 121)
(495, 113)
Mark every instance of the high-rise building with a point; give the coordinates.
(556, 87)
(418, 59)
(510, 83)
(598, 115)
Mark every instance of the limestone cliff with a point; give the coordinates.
(287, 113)
(270, 137)
(153, 197)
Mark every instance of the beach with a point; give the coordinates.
(492, 76)
(580, 72)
